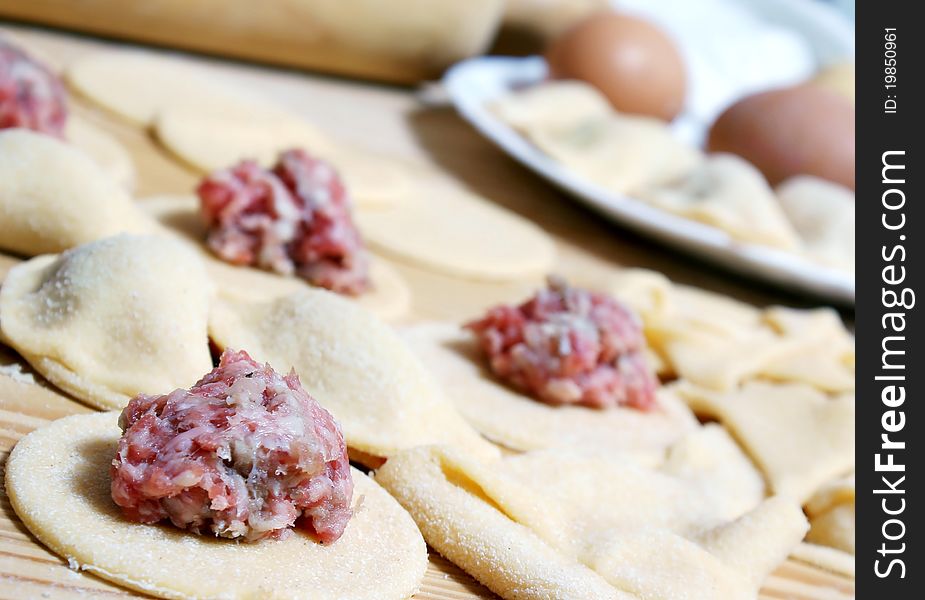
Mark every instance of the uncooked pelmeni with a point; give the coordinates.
(111, 319)
(389, 297)
(137, 85)
(55, 197)
(727, 192)
(58, 482)
(622, 153)
(554, 103)
(823, 214)
(105, 151)
(519, 422)
(453, 232)
(354, 364)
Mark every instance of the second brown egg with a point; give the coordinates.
(633, 63)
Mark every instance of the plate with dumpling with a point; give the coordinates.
(762, 189)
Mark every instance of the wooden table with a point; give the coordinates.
(395, 121)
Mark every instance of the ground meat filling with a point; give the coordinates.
(31, 97)
(569, 346)
(293, 219)
(245, 453)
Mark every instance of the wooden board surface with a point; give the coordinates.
(390, 121)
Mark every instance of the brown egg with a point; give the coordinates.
(629, 60)
(801, 130)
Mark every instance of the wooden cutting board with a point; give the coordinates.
(28, 570)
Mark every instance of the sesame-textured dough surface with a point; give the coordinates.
(818, 431)
(354, 364)
(650, 532)
(58, 482)
(111, 319)
(54, 196)
(456, 233)
(727, 192)
(520, 422)
(105, 150)
(137, 85)
(389, 297)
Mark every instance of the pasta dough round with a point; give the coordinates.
(389, 297)
(54, 196)
(354, 364)
(111, 319)
(452, 232)
(57, 479)
(553, 103)
(217, 137)
(522, 423)
(137, 85)
(729, 193)
(105, 151)
(823, 214)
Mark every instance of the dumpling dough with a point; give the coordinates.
(354, 364)
(823, 355)
(105, 151)
(717, 342)
(729, 193)
(575, 125)
(450, 231)
(57, 479)
(521, 423)
(648, 532)
(554, 103)
(622, 153)
(55, 197)
(823, 214)
(389, 298)
(111, 319)
(819, 431)
(209, 138)
(137, 85)
(832, 515)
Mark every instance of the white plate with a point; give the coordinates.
(474, 83)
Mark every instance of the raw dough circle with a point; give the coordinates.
(137, 85)
(57, 478)
(452, 232)
(390, 297)
(518, 422)
(105, 151)
(218, 137)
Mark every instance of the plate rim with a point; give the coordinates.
(465, 84)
